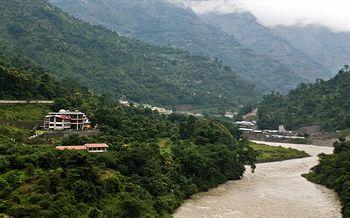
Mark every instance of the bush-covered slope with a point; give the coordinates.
(106, 62)
(325, 103)
(18, 84)
(160, 22)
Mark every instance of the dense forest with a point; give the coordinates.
(324, 103)
(333, 171)
(105, 62)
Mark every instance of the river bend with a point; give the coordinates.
(275, 190)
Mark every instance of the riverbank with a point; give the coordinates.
(333, 172)
(276, 189)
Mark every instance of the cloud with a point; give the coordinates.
(334, 14)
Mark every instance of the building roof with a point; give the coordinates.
(97, 145)
(73, 147)
(66, 112)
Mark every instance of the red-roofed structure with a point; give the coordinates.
(72, 147)
(97, 147)
(93, 147)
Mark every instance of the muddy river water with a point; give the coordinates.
(275, 190)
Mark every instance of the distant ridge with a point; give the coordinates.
(105, 62)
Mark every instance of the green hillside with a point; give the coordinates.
(33, 84)
(105, 62)
(325, 103)
(22, 80)
(164, 23)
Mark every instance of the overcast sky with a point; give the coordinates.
(334, 14)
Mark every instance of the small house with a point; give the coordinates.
(92, 148)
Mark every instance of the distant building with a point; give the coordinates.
(72, 147)
(245, 123)
(229, 114)
(245, 130)
(281, 129)
(270, 131)
(257, 131)
(124, 103)
(92, 148)
(65, 119)
(97, 147)
(161, 110)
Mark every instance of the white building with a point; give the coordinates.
(229, 114)
(65, 119)
(162, 110)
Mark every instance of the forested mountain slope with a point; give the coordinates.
(325, 103)
(246, 29)
(106, 62)
(332, 49)
(161, 22)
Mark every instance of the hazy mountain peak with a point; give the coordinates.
(246, 29)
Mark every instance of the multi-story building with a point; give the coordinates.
(65, 119)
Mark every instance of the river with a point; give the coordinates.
(276, 189)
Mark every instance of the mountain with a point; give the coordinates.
(246, 29)
(324, 103)
(330, 48)
(103, 61)
(163, 23)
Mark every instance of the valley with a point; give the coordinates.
(174, 108)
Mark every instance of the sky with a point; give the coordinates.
(334, 14)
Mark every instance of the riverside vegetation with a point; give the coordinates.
(333, 171)
(273, 153)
